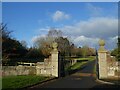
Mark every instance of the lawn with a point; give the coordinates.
(75, 67)
(94, 70)
(90, 58)
(15, 82)
(79, 64)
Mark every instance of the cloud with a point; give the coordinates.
(111, 42)
(94, 10)
(113, 38)
(82, 40)
(90, 31)
(59, 15)
(42, 30)
(100, 27)
(35, 38)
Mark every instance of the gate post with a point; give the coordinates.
(54, 60)
(102, 60)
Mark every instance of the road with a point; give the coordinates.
(83, 78)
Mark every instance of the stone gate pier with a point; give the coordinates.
(102, 60)
(109, 68)
(54, 62)
(50, 65)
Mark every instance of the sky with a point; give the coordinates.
(84, 23)
(60, 0)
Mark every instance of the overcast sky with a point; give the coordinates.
(84, 23)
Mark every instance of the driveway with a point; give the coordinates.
(83, 78)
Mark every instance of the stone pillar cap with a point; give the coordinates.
(102, 44)
(55, 45)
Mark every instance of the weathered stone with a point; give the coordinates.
(54, 60)
(101, 44)
(102, 60)
(48, 67)
(54, 63)
(55, 45)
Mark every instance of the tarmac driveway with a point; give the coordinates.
(84, 78)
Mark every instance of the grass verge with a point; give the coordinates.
(77, 65)
(14, 82)
(94, 70)
(90, 58)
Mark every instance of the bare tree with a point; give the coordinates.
(4, 31)
(45, 43)
(24, 43)
(54, 33)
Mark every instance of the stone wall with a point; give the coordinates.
(113, 66)
(48, 67)
(43, 68)
(40, 68)
(18, 70)
(114, 69)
